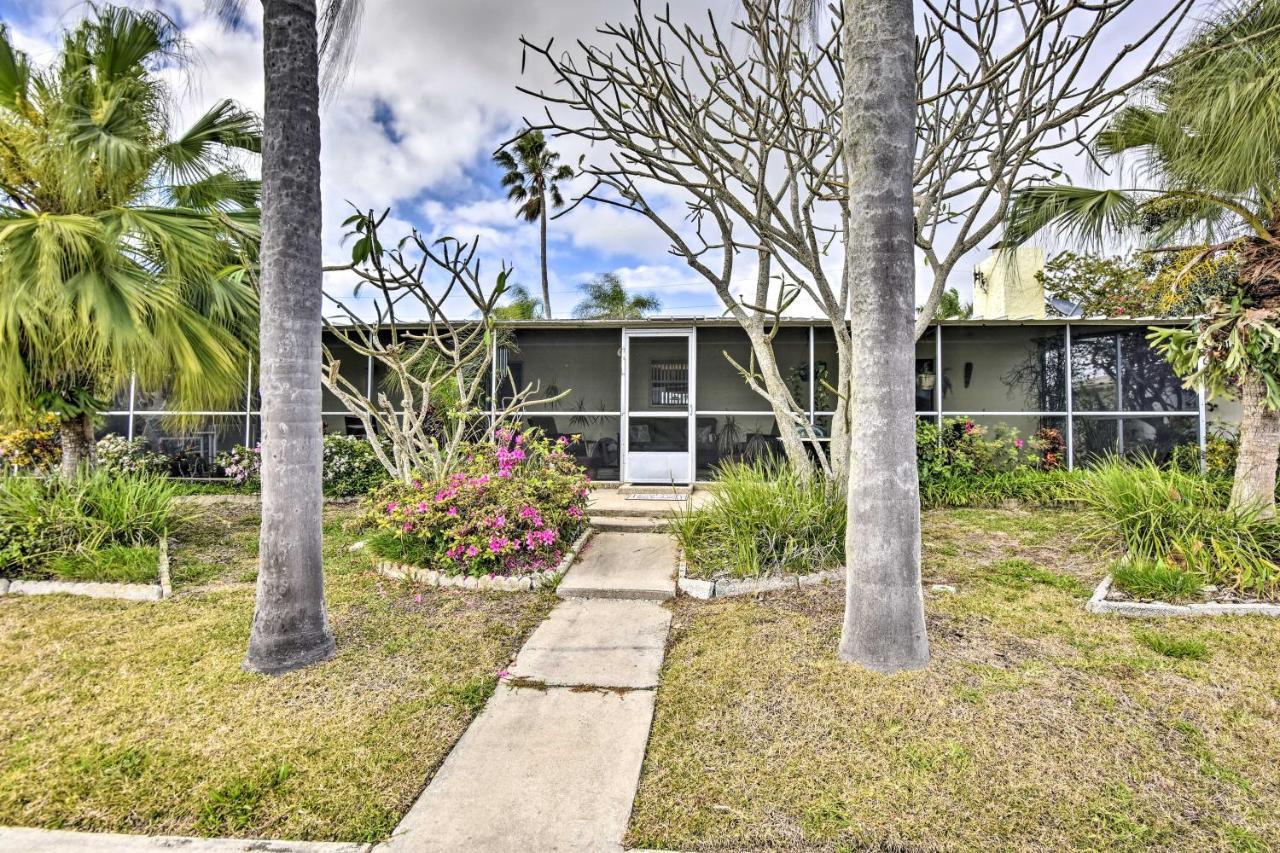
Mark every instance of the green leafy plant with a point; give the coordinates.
(764, 519)
(119, 455)
(1178, 528)
(1155, 580)
(350, 467)
(30, 446)
(43, 521)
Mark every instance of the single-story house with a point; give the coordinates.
(656, 400)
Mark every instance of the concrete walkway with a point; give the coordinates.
(553, 761)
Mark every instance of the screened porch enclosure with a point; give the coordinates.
(667, 403)
(664, 401)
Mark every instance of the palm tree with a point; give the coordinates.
(951, 307)
(1207, 141)
(123, 248)
(884, 627)
(607, 299)
(532, 178)
(290, 625)
(520, 305)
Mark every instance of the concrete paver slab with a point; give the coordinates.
(602, 643)
(623, 565)
(546, 770)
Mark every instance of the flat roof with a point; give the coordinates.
(674, 322)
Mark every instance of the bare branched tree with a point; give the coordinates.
(728, 140)
(1008, 89)
(436, 394)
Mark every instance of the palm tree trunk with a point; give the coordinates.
(1255, 480)
(290, 626)
(78, 447)
(884, 627)
(546, 288)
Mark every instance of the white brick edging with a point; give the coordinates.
(1098, 603)
(488, 583)
(96, 589)
(727, 587)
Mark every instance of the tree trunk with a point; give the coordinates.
(1255, 480)
(546, 288)
(290, 626)
(778, 396)
(78, 447)
(884, 627)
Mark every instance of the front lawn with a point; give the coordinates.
(131, 717)
(1037, 726)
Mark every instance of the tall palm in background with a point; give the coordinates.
(290, 624)
(520, 304)
(532, 179)
(123, 248)
(607, 299)
(1206, 141)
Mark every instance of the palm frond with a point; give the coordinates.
(1086, 215)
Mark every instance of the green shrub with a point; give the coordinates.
(1155, 579)
(46, 520)
(1181, 520)
(1220, 453)
(764, 519)
(1028, 485)
(350, 467)
(118, 455)
(965, 464)
(1182, 648)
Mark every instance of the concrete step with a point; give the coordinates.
(628, 524)
(631, 489)
(637, 566)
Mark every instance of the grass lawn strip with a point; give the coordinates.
(134, 719)
(1037, 725)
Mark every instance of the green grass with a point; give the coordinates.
(128, 717)
(1155, 580)
(111, 564)
(1037, 726)
(1182, 648)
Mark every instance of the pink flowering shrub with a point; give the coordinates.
(514, 508)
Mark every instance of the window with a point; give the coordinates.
(669, 383)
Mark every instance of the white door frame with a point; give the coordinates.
(691, 335)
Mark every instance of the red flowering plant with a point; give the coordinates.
(513, 508)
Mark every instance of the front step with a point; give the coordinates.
(628, 524)
(640, 491)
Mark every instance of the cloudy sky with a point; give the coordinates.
(431, 95)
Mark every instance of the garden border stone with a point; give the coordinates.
(490, 583)
(1098, 603)
(97, 589)
(730, 587)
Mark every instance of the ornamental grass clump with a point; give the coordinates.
(764, 519)
(64, 528)
(1175, 523)
(514, 507)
